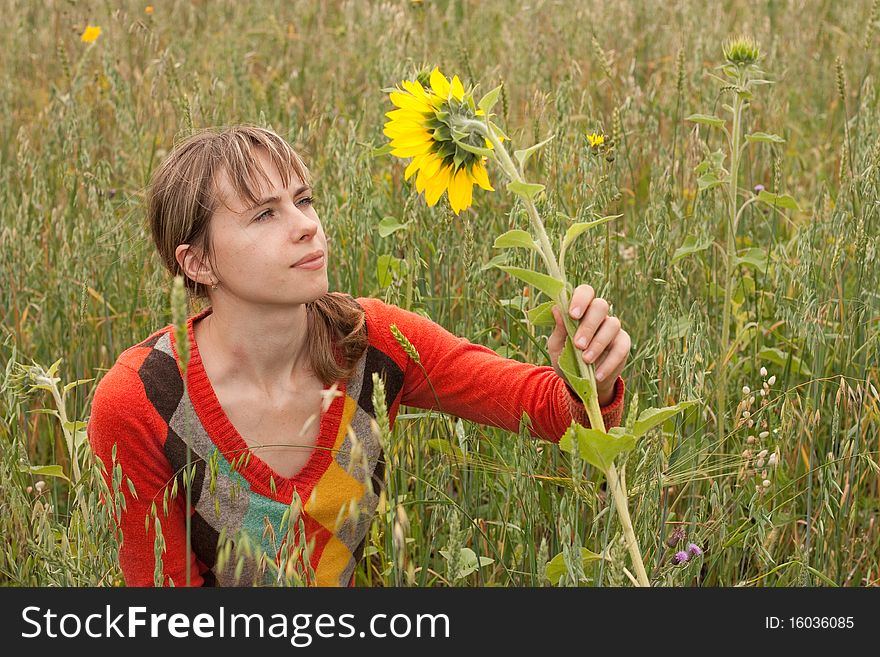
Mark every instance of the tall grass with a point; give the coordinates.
(85, 126)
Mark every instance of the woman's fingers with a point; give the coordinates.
(581, 298)
(592, 320)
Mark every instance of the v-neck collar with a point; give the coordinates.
(230, 443)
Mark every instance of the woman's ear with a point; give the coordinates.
(193, 264)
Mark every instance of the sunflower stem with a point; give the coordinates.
(594, 411)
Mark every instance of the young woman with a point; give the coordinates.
(277, 406)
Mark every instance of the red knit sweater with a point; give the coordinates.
(140, 407)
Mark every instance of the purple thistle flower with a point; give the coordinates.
(680, 557)
(675, 537)
(694, 550)
(759, 188)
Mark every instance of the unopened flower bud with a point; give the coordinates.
(771, 380)
(40, 486)
(675, 537)
(751, 423)
(763, 434)
(763, 371)
(750, 440)
(773, 460)
(746, 414)
(766, 483)
(759, 463)
(746, 390)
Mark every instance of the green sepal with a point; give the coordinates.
(488, 101)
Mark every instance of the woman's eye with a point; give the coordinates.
(265, 215)
(307, 200)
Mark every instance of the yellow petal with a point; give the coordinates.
(405, 114)
(406, 101)
(479, 176)
(432, 165)
(411, 139)
(439, 83)
(415, 88)
(412, 151)
(460, 191)
(413, 167)
(437, 185)
(457, 88)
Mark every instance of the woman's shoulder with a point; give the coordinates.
(149, 362)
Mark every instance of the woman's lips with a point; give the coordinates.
(317, 263)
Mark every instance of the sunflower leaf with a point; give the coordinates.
(542, 314)
(382, 150)
(576, 229)
(515, 238)
(43, 470)
(706, 119)
(524, 189)
(651, 417)
(597, 448)
(760, 137)
(498, 130)
(488, 101)
(568, 363)
(547, 284)
(523, 156)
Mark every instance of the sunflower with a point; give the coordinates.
(422, 128)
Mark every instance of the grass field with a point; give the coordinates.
(86, 123)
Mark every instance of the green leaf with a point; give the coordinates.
(476, 150)
(387, 268)
(495, 261)
(779, 200)
(547, 284)
(524, 189)
(488, 101)
(467, 561)
(74, 384)
(709, 180)
(515, 238)
(542, 315)
(556, 566)
(780, 358)
(390, 225)
(753, 257)
(44, 471)
(706, 119)
(568, 363)
(498, 130)
(596, 447)
(576, 229)
(690, 246)
(382, 150)
(651, 417)
(445, 447)
(523, 156)
(764, 137)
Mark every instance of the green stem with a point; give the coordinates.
(594, 411)
(730, 255)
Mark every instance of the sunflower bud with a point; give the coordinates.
(741, 51)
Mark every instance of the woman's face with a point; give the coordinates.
(255, 248)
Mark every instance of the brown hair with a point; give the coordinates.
(181, 199)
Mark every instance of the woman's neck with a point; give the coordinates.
(264, 349)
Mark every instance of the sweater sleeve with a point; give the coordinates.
(122, 416)
(475, 383)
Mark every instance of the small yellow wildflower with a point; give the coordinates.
(596, 139)
(148, 10)
(91, 33)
